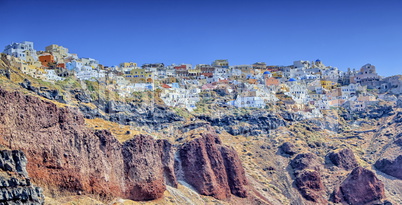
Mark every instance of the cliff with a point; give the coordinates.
(212, 168)
(66, 157)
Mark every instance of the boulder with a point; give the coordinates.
(307, 177)
(344, 159)
(359, 188)
(288, 148)
(392, 167)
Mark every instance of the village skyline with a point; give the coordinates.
(306, 86)
(141, 63)
(342, 33)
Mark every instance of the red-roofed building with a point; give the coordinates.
(165, 86)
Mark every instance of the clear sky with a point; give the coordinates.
(341, 33)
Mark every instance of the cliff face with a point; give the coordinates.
(391, 162)
(391, 167)
(143, 168)
(258, 123)
(15, 185)
(64, 155)
(212, 168)
(153, 116)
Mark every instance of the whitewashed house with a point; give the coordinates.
(21, 50)
(349, 90)
(180, 97)
(52, 76)
(247, 102)
(298, 92)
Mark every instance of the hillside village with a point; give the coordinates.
(305, 86)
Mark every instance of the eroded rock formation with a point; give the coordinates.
(391, 167)
(343, 158)
(360, 187)
(212, 168)
(308, 178)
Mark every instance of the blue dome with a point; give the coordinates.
(318, 60)
(292, 80)
(267, 73)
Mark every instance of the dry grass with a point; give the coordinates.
(121, 132)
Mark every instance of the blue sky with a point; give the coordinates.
(340, 33)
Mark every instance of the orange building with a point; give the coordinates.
(61, 65)
(271, 81)
(46, 59)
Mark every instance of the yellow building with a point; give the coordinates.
(194, 72)
(128, 65)
(59, 52)
(326, 84)
(277, 74)
(221, 63)
(139, 76)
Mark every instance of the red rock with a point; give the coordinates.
(344, 159)
(64, 155)
(143, 169)
(304, 161)
(309, 184)
(167, 151)
(307, 177)
(211, 168)
(392, 167)
(360, 187)
(235, 171)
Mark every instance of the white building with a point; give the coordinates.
(52, 76)
(87, 73)
(349, 90)
(244, 102)
(180, 97)
(298, 92)
(21, 50)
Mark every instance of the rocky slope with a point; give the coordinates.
(220, 156)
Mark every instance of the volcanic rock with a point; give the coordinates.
(143, 168)
(344, 159)
(360, 187)
(167, 151)
(212, 168)
(308, 179)
(15, 185)
(392, 167)
(64, 156)
(309, 184)
(288, 148)
(304, 161)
